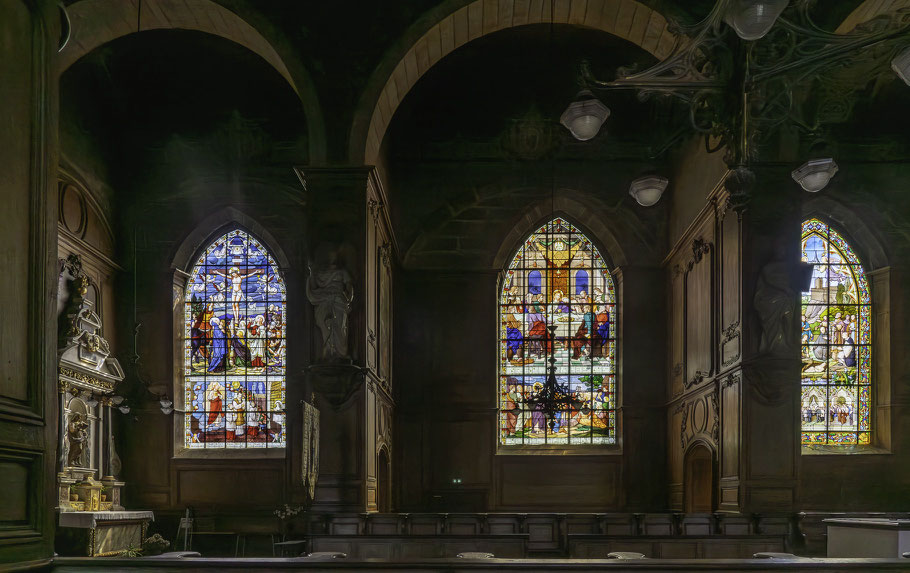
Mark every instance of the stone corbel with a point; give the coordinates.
(336, 382)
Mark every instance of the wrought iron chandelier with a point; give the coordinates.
(554, 397)
(739, 70)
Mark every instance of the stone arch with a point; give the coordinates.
(864, 238)
(574, 211)
(213, 225)
(97, 22)
(868, 10)
(458, 22)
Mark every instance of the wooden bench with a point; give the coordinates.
(420, 546)
(582, 546)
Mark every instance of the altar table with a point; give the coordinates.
(105, 533)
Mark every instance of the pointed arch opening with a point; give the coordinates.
(557, 281)
(234, 353)
(836, 342)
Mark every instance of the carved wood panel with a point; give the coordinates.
(730, 295)
(698, 314)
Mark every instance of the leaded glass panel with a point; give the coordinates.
(559, 278)
(234, 361)
(836, 342)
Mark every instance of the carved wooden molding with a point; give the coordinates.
(376, 208)
(715, 407)
(697, 379)
(700, 248)
(730, 380)
(385, 254)
(729, 334)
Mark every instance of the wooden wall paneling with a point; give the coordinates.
(676, 325)
(729, 443)
(729, 276)
(699, 314)
(29, 34)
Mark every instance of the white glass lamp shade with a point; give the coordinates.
(752, 19)
(585, 116)
(648, 190)
(901, 65)
(815, 175)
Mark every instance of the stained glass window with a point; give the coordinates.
(234, 360)
(836, 342)
(559, 278)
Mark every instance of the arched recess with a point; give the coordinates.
(97, 22)
(458, 22)
(863, 237)
(383, 482)
(698, 478)
(591, 221)
(207, 228)
(581, 347)
(246, 374)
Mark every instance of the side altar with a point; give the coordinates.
(91, 519)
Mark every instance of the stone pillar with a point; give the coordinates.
(770, 374)
(346, 207)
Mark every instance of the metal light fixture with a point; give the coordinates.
(124, 409)
(554, 397)
(752, 19)
(92, 401)
(585, 116)
(648, 190)
(901, 65)
(814, 175)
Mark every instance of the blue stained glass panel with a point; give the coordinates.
(235, 359)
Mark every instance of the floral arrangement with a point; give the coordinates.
(287, 511)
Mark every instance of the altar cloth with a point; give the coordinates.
(90, 519)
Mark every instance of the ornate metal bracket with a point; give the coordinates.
(740, 94)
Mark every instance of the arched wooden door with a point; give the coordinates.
(699, 480)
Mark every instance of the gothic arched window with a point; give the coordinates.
(836, 342)
(543, 289)
(234, 359)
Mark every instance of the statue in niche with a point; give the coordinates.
(775, 301)
(77, 437)
(330, 289)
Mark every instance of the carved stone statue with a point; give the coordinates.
(77, 437)
(330, 289)
(775, 302)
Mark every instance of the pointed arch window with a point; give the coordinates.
(234, 357)
(836, 342)
(557, 277)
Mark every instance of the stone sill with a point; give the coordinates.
(842, 451)
(560, 450)
(230, 453)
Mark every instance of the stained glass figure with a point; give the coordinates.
(836, 342)
(559, 278)
(234, 360)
